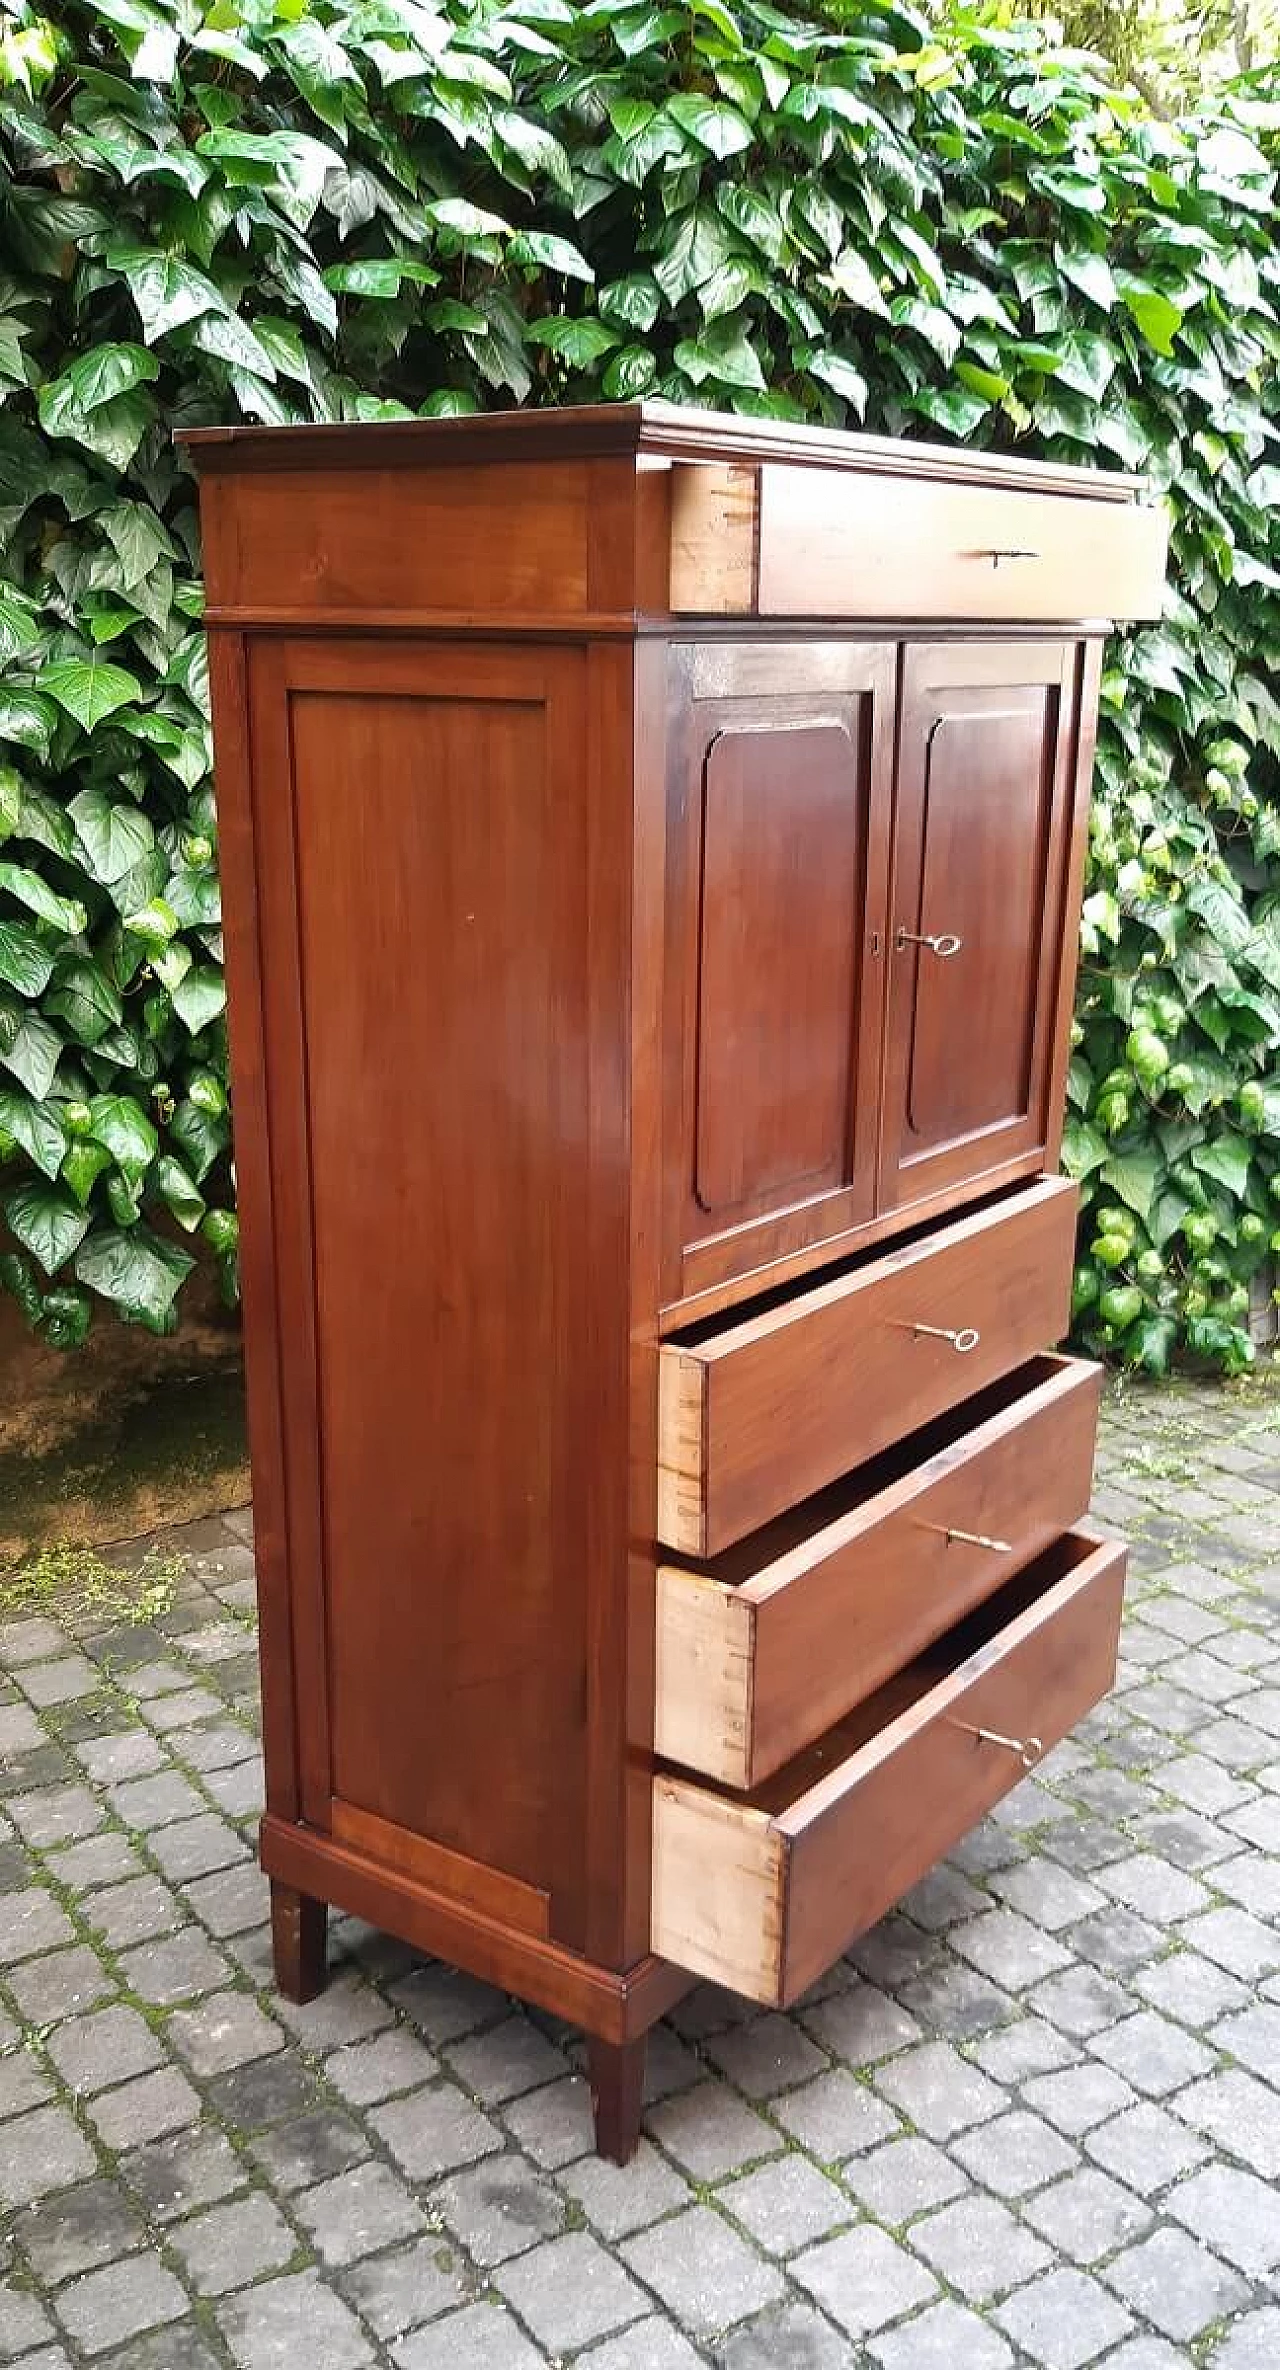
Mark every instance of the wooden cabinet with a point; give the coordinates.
(652, 848)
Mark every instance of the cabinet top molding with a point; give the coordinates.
(661, 431)
(618, 516)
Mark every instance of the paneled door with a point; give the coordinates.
(987, 768)
(777, 835)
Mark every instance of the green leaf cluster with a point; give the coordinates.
(866, 215)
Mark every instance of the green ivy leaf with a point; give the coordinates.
(178, 1192)
(121, 1125)
(115, 837)
(136, 1269)
(1226, 1160)
(85, 999)
(29, 1048)
(26, 963)
(65, 913)
(34, 1126)
(47, 1223)
(718, 128)
(91, 380)
(199, 998)
(90, 689)
(82, 1166)
(554, 254)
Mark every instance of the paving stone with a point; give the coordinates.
(435, 2130)
(56, 1814)
(1015, 2154)
(504, 2062)
(942, 1898)
(1153, 2054)
(282, 2322)
(42, 2151)
(954, 2002)
(554, 2125)
(77, 2229)
(1146, 2353)
(1153, 1887)
(400, 2290)
(904, 2178)
(1074, 2100)
(103, 2308)
(179, 2346)
(786, 2204)
(177, 1968)
(938, 2091)
(233, 2244)
(1185, 1838)
(115, 1758)
(1050, 1895)
(764, 2057)
(226, 2030)
(232, 1901)
(195, 1847)
(569, 2290)
(238, 1791)
(704, 2272)
(99, 1860)
(712, 2132)
(92, 2052)
(64, 1681)
(864, 2279)
(1081, 2001)
(860, 2024)
(1190, 1988)
(1146, 2147)
(1087, 2216)
(357, 2212)
(618, 2199)
(1023, 2049)
(945, 2337)
(1009, 1949)
(794, 2337)
(1253, 2344)
(132, 1912)
(1176, 2284)
(1063, 2320)
(145, 2109)
(646, 2345)
(267, 2090)
(1234, 2213)
(1240, 2114)
(979, 2248)
(1233, 1939)
(1254, 2038)
(22, 2085)
(24, 2323)
(173, 2176)
(1116, 1940)
(365, 2072)
(1252, 1879)
(29, 1639)
(499, 2208)
(482, 2337)
(32, 1922)
(310, 2148)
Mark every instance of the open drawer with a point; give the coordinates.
(762, 1891)
(756, 1414)
(760, 1653)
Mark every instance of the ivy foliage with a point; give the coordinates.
(284, 210)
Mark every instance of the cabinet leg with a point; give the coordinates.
(298, 1925)
(616, 2069)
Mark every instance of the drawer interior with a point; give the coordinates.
(738, 1564)
(967, 1648)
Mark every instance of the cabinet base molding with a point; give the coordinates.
(612, 2004)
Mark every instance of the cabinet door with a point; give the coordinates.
(778, 842)
(987, 767)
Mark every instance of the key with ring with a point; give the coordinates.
(941, 943)
(962, 1338)
(973, 1539)
(1029, 1749)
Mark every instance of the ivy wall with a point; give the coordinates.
(265, 210)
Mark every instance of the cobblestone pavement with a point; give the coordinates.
(1034, 2117)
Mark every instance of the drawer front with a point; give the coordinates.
(754, 1664)
(756, 1416)
(895, 547)
(761, 1893)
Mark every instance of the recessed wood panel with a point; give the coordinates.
(783, 847)
(441, 852)
(982, 846)
(987, 792)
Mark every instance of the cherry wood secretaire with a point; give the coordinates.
(652, 848)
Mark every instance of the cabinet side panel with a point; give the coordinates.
(440, 830)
